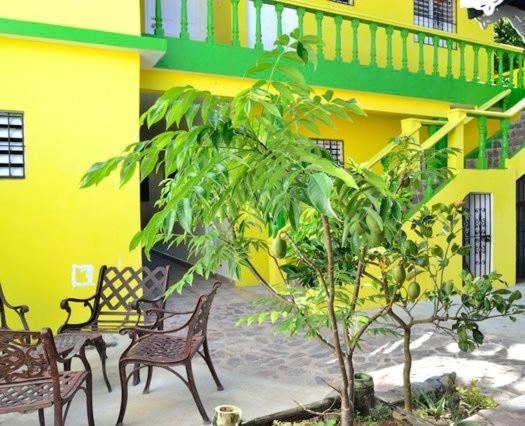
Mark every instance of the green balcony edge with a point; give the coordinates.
(221, 59)
(150, 49)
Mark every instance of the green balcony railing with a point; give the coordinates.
(357, 52)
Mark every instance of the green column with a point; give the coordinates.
(158, 29)
(520, 71)
(279, 12)
(338, 19)
(500, 66)
(258, 34)
(505, 154)
(475, 76)
(490, 63)
(373, 44)
(481, 162)
(184, 34)
(235, 23)
(355, 40)
(512, 57)
(319, 16)
(450, 46)
(421, 43)
(435, 61)
(210, 37)
(462, 73)
(404, 50)
(300, 20)
(389, 55)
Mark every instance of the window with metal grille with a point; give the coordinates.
(12, 164)
(334, 147)
(349, 2)
(436, 14)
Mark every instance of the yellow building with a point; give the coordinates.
(76, 75)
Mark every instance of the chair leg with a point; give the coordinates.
(195, 394)
(136, 375)
(67, 365)
(207, 358)
(148, 380)
(41, 418)
(100, 346)
(89, 400)
(59, 421)
(124, 394)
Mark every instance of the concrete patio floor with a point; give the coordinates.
(263, 372)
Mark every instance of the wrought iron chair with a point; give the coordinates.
(168, 348)
(64, 343)
(119, 300)
(30, 379)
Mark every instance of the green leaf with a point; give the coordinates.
(319, 190)
(259, 68)
(291, 72)
(184, 213)
(302, 52)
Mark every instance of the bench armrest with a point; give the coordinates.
(87, 302)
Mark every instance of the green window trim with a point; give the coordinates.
(151, 49)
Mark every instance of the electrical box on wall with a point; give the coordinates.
(82, 275)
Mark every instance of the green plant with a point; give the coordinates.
(379, 412)
(473, 400)
(429, 404)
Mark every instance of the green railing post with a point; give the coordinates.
(355, 41)
(490, 63)
(235, 23)
(158, 29)
(435, 62)
(210, 33)
(373, 44)
(279, 12)
(481, 162)
(300, 20)
(520, 71)
(404, 50)
(421, 43)
(475, 76)
(319, 16)
(505, 154)
(500, 67)
(338, 19)
(512, 57)
(258, 24)
(462, 72)
(184, 34)
(389, 30)
(450, 46)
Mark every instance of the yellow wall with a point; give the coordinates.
(80, 106)
(121, 16)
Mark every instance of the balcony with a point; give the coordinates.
(359, 53)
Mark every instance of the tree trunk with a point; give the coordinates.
(407, 386)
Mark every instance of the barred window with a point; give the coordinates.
(436, 14)
(348, 2)
(12, 164)
(334, 147)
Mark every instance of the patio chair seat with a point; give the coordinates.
(163, 348)
(37, 394)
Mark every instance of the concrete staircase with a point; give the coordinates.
(516, 141)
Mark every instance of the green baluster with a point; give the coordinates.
(404, 53)
(235, 23)
(520, 71)
(481, 162)
(210, 37)
(430, 165)
(435, 62)
(184, 34)
(355, 41)
(450, 46)
(389, 55)
(373, 44)
(319, 16)
(279, 12)
(505, 154)
(475, 76)
(258, 25)
(338, 52)
(421, 43)
(500, 67)
(512, 62)
(300, 20)
(158, 29)
(490, 63)
(462, 73)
